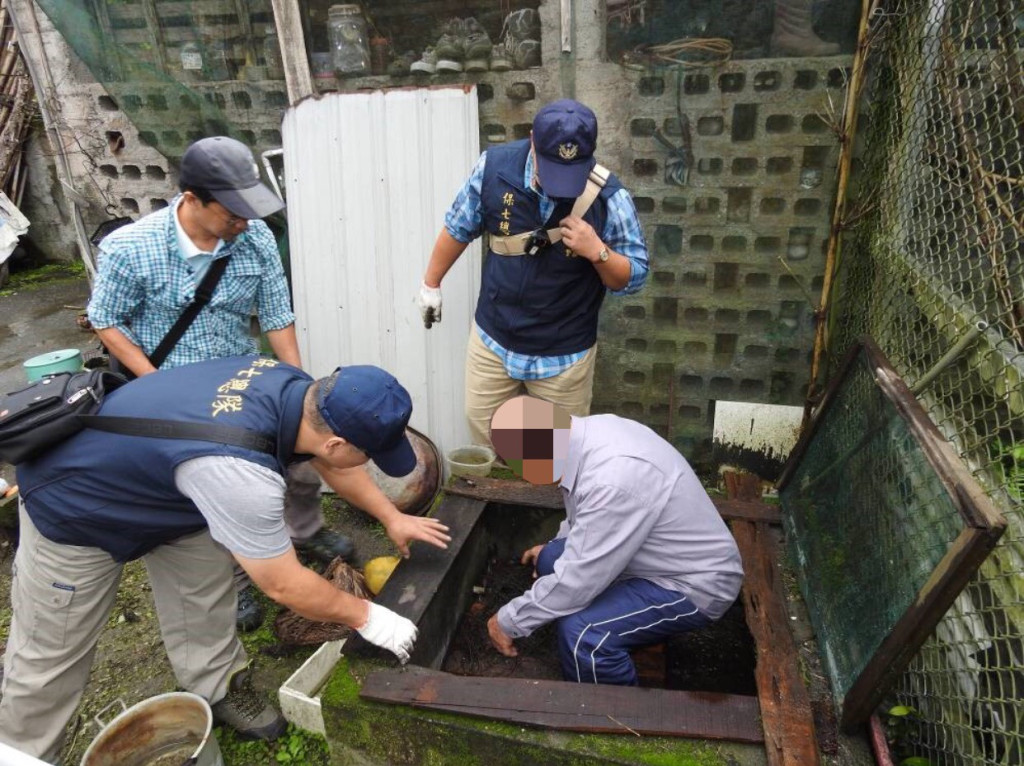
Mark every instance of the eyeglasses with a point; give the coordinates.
(231, 219)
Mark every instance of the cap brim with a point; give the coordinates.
(255, 202)
(559, 179)
(400, 460)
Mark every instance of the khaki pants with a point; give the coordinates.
(61, 596)
(488, 386)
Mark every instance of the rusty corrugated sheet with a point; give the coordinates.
(368, 179)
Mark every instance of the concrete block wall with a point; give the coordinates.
(737, 252)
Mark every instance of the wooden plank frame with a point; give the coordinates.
(983, 526)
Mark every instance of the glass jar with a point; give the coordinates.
(350, 50)
(272, 54)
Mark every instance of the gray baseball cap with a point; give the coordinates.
(228, 170)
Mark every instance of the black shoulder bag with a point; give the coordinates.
(204, 292)
(45, 413)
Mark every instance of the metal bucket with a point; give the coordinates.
(172, 729)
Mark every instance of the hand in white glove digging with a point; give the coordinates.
(390, 631)
(429, 301)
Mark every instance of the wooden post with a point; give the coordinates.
(297, 77)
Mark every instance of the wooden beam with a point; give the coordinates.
(515, 492)
(297, 77)
(572, 707)
(786, 712)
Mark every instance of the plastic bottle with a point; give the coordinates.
(350, 50)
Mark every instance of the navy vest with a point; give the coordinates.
(117, 492)
(545, 304)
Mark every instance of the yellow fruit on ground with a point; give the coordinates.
(378, 570)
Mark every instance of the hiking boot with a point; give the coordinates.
(451, 45)
(246, 711)
(249, 615)
(527, 54)
(427, 63)
(500, 60)
(523, 24)
(325, 546)
(478, 42)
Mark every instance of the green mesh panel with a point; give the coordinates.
(868, 520)
(935, 246)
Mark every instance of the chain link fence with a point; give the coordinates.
(931, 267)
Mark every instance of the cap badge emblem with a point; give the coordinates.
(568, 151)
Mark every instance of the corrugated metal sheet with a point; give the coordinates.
(368, 179)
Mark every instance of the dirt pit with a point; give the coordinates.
(718, 658)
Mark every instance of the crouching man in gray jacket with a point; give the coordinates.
(642, 554)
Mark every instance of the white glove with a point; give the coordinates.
(390, 631)
(429, 301)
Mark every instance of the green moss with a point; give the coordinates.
(403, 735)
(498, 472)
(51, 273)
(295, 746)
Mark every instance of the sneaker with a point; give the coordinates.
(451, 45)
(478, 42)
(326, 545)
(500, 60)
(246, 711)
(427, 63)
(249, 615)
(527, 54)
(448, 66)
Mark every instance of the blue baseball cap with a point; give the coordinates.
(564, 138)
(369, 409)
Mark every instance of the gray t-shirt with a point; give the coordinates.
(242, 502)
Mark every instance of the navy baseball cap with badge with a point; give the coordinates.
(564, 139)
(369, 409)
(226, 168)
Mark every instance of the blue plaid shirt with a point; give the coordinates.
(143, 285)
(622, 234)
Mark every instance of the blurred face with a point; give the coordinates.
(532, 437)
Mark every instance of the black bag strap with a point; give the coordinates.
(177, 429)
(204, 292)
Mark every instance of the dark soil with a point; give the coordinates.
(719, 658)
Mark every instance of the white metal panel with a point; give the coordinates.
(369, 177)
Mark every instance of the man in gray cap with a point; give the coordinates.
(149, 273)
(563, 232)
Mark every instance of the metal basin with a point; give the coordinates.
(415, 492)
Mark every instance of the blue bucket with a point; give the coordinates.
(65, 360)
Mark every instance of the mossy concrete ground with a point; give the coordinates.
(364, 732)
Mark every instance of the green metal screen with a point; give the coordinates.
(931, 260)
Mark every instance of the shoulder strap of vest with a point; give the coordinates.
(177, 429)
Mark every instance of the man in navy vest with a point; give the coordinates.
(149, 272)
(549, 262)
(100, 499)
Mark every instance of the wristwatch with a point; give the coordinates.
(603, 255)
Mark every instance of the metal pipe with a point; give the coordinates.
(972, 334)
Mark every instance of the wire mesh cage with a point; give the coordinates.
(932, 263)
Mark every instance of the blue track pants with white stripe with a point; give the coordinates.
(594, 643)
